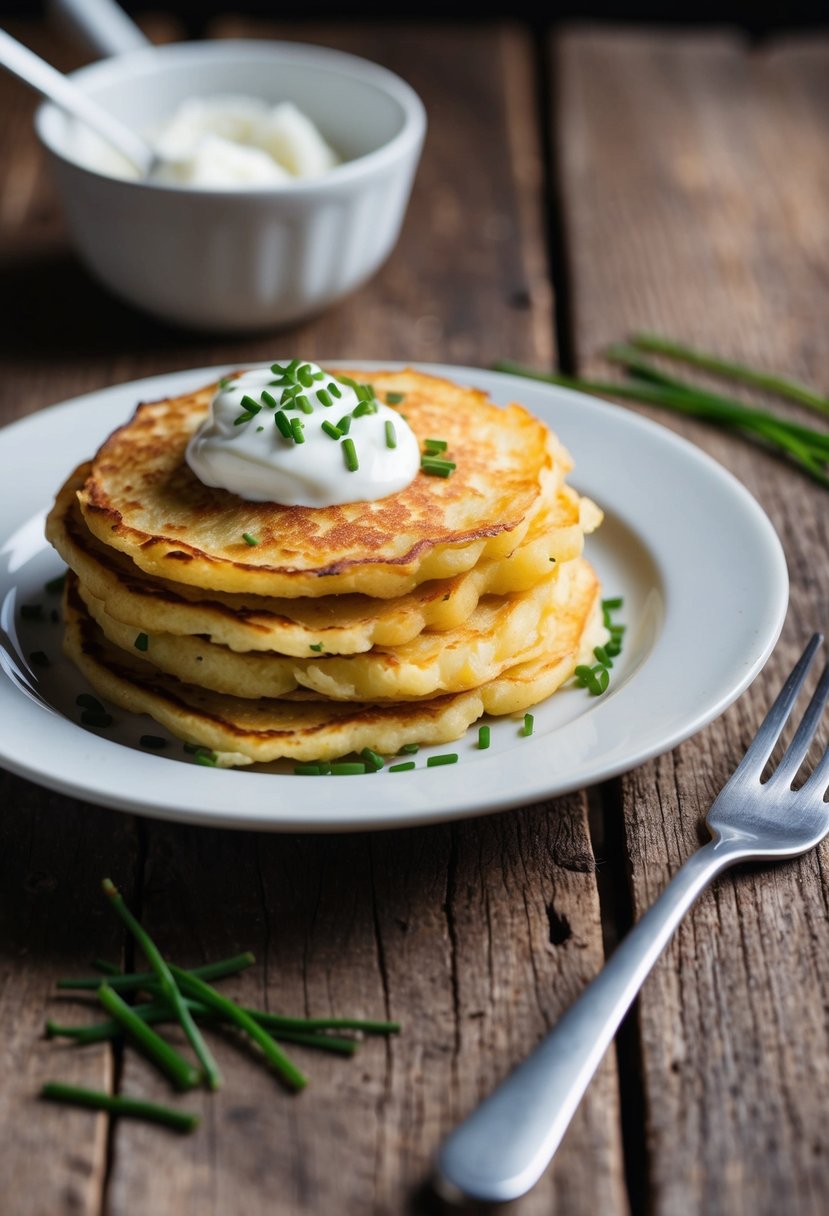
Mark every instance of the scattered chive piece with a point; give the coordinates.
(117, 1104)
(344, 425)
(446, 758)
(88, 718)
(348, 768)
(168, 986)
(142, 642)
(172, 1064)
(32, 612)
(246, 417)
(404, 767)
(269, 399)
(249, 539)
(206, 759)
(155, 742)
(297, 431)
(435, 445)
(612, 604)
(365, 407)
(409, 749)
(274, 1054)
(437, 468)
(307, 770)
(372, 758)
(395, 398)
(334, 389)
(86, 701)
(39, 658)
(55, 585)
(283, 424)
(304, 404)
(330, 429)
(305, 376)
(603, 657)
(316, 646)
(147, 979)
(252, 407)
(483, 738)
(391, 434)
(350, 456)
(324, 397)
(529, 723)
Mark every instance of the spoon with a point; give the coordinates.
(45, 79)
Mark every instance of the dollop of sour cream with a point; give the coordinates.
(344, 444)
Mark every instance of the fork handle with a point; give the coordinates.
(503, 1147)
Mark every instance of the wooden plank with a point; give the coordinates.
(693, 175)
(447, 929)
(54, 852)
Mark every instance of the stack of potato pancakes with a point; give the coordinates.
(262, 631)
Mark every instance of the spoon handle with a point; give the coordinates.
(45, 79)
(101, 25)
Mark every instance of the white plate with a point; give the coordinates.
(699, 566)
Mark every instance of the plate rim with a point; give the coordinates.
(411, 805)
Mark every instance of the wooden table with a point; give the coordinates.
(573, 188)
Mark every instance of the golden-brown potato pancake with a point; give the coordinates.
(244, 731)
(142, 498)
(346, 624)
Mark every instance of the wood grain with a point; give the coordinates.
(694, 176)
(475, 936)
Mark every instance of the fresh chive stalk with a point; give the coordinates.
(234, 1013)
(167, 984)
(117, 1104)
(147, 979)
(174, 1066)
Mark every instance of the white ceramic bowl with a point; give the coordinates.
(241, 259)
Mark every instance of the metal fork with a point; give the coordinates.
(504, 1146)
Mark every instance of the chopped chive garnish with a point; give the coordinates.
(248, 539)
(395, 398)
(31, 612)
(344, 424)
(372, 758)
(403, 767)
(324, 397)
(253, 407)
(446, 758)
(483, 738)
(304, 375)
(612, 604)
(316, 646)
(350, 456)
(334, 389)
(117, 1104)
(409, 749)
(39, 658)
(435, 445)
(365, 407)
(259, 428)
(304, 404)
(297, 431)
(348, 768)
(437, 468)
(283, 424)
(142, 642)
(391, 434)
(155, 742)
(603, 657)
(55, 585)
(330, 429)
(206, 759)
(269, 399)
(86, 701)
(529, 723)
(89, 718)
(246, 417)
(224, 382)
(307, 770)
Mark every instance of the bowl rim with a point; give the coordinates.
(407, 140)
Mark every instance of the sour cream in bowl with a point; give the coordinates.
(214, 252)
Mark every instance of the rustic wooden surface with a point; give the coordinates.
(680, 183)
